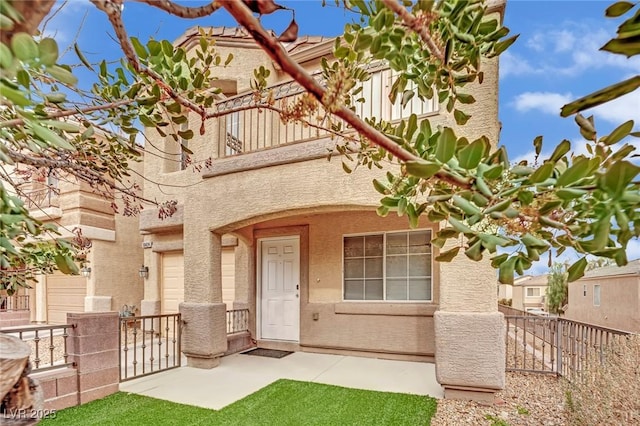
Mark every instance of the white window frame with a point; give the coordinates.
(384, 266)
(232, 128)
(597, 294)
(533, 288)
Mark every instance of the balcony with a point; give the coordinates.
(254, 129)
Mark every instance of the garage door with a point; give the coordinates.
(172, 282)
(65, 293)
(228, 275)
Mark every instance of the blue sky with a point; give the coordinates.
(555, 60)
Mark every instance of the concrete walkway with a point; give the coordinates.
(241, 375)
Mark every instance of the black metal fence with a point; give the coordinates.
(554, 345)
(48, 345)
(237, 321)
(149, 344)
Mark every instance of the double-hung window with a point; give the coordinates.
(391, 266)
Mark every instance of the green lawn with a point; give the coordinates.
(285, 402)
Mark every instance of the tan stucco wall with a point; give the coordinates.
(382, 327)
(619, 302)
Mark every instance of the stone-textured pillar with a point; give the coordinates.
(204, 334)
(470, 346)
(93, 346)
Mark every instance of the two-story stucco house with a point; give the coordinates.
(111, 278)
(608, 297)
(274, 227)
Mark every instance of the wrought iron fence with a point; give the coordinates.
(41, 198)
(48, 345)
(247, 128)
(554, 345)
(237, 321)
(14, 303)
(149, 344)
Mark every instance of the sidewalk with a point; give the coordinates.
(241, 375)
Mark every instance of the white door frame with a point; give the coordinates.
(259, 281)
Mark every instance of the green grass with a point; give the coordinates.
(285, 402)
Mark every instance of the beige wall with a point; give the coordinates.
(382, 327)
(619, 302)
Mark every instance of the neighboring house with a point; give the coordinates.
(114, 258)
(299, 239)
(529, 292)
(505, 292)
(607, 296)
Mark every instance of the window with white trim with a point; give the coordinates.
(596, 295)
(391, 266)
(533, 291)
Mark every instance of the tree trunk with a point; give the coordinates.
(21, 397)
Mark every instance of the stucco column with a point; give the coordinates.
(470, 333)
(204, 336)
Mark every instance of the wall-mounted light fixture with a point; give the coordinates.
(143, 272)
(85, 271)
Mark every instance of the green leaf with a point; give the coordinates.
(461, 117)
(6, 57)
(475, 251)
(506, 270)
(465, 205)
(422, 168)
(570, 193)
(14, 96)
(542, 173)
(48, 49)
(560, 150)
(620, 132)
(537, 144)
(601, 96)
(618, 176)
(49, 136)
(446, 145)
(381, 188)
(459, 226)
(63, 75)
(576, 271)
(24, 47)
(618, 9)
(448, 255)
(577, 171)
(141, 51)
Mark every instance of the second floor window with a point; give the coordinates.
(533, 292)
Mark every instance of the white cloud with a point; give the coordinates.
(513, 64)
(619, 110)
(567, 52)
(547, 102)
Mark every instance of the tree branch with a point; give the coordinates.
(418, 27)
(112, 8)
(70, 112)
(274, 49)
(183, 11)
(33, 12)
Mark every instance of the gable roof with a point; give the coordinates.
(239, 35)
(631, 268)
(532, 281)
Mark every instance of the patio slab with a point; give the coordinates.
(241, 375)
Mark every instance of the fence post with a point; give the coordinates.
(93, 347)
(558, 343)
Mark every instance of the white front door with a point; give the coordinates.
(280, 289)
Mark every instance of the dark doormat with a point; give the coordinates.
(269, 353)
